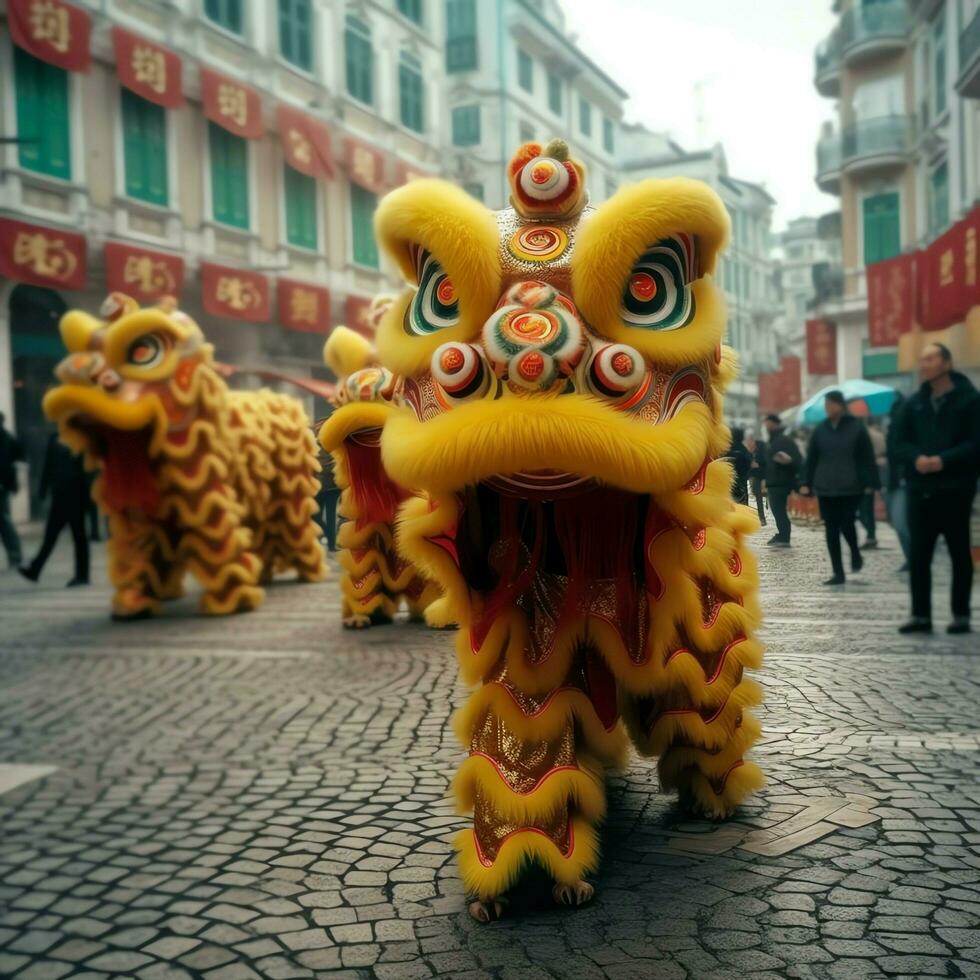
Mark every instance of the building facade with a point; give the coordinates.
(903, 154)
(745, 271)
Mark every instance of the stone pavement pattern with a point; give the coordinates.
(266, 796)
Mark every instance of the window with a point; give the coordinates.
(300, 193)
(474, 190)
(412, 9)
(525, 132)
(882, 228)
(296, 32)
(584, 117)
(411, 93)
(359, 58)
(466, 125)
(144, 129)
(938, 199)
(525, 70)
(362, 206)
(554, 93)
(608, 139)
(879, 97)
(229, 176)
(461, 50)
(225, 13)
(42, 116)
(938, 33)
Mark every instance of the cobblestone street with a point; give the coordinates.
(266, 796)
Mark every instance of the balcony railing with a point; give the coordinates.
(863, 26)
(826, 65)
(968, 83)
(883, 137)
(828, 155)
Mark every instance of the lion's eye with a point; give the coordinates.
(435, 306)
(145, 351)
(658, 292)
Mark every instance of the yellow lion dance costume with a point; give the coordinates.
(194, 477)
(563, 373)
(375, 578)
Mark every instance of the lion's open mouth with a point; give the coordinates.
(128, 479)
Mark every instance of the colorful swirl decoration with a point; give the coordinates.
(658, 294)
(436, 305)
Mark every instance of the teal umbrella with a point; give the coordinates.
(863, 398)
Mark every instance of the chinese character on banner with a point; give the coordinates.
(781, 389)
(357, 315)
(891, 299)
(41, 256)
(147, 69)
(232, 105)
(305, 142)
(234, 293)
(821, 347)
(143, 274)
(304, 307)
(949, 275)
(366, 167)
(52, 30)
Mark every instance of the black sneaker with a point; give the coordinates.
(75, 582)
(857, 562)
(835, 580)
(959, 625)
(869, 545)
(916, 625)
(28, 573)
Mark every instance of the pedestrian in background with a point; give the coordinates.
(326, 498)
(840, 469)
(866, 508)
(895, 494)
(63, 475)
(938, 442)
(11, 453)
(757, 474)
(782, 478)
(741, 461)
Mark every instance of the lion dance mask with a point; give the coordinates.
(563, 370)
(194, 477)
(375, 578)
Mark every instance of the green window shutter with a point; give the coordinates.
(554, 93)
(229, 177)
(301, 215)
(608, 139)
(584, 117)
(225, 13)
(525, 70)
(461, 47)
(466, 125)
(412, 9)
(42, 116)
(144, 149)
(882, 227)
(296, 32)
(362, 205)
(359, 60)
(939, 199)
(411, 95)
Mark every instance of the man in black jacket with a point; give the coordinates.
(938, 442)
(741, 459)
(782, 477)
(840, 467)
(11, 453)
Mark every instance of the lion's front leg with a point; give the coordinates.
(143, 568)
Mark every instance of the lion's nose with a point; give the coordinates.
(83, 367)
(534, 336)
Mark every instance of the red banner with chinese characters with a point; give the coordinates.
(821, 347)
(305, 142)
(357, 311)
(232, 105)
(891, 299)
(234, 293)
(949, 275)
(147, 69)
(41, 256)
(52, 30)
(303, 307)
(782, 388)
(365, 166)
(143, 274)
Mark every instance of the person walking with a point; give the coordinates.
(866, 508)
(782, 477)
(938, 442)
(840, 468)
(757, 474)
(326, 498)
(741, 460)
(11, 453)
(896, 498)
(64, 476)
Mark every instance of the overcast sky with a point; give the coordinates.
(755, 60)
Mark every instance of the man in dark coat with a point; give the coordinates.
(741, 460)
(11, 453)
(938, 443)
(782, 477)
(896, 497)
(64, 476)
(840, 468)
(757, 475)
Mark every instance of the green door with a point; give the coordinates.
(882, 227)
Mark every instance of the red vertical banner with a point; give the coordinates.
(949, 270)
(141, 273)
(305, 142)
(365, 166)
(232, 105)
(234, 293)
(147, 69)
(41, 256)
(52, 30)
(891, 299)
(303, 307)
(782, 388)
(821, 347)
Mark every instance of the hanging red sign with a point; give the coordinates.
(357, 315)
(891, 299)
(52, 30)
(305, 142)
(234, 293)
(782, 388)
(821, 347)
(365, 166)
(303, 307)
(41, 256)
(232, 105)
(147, 69)
(143, 274)
(949, 274)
